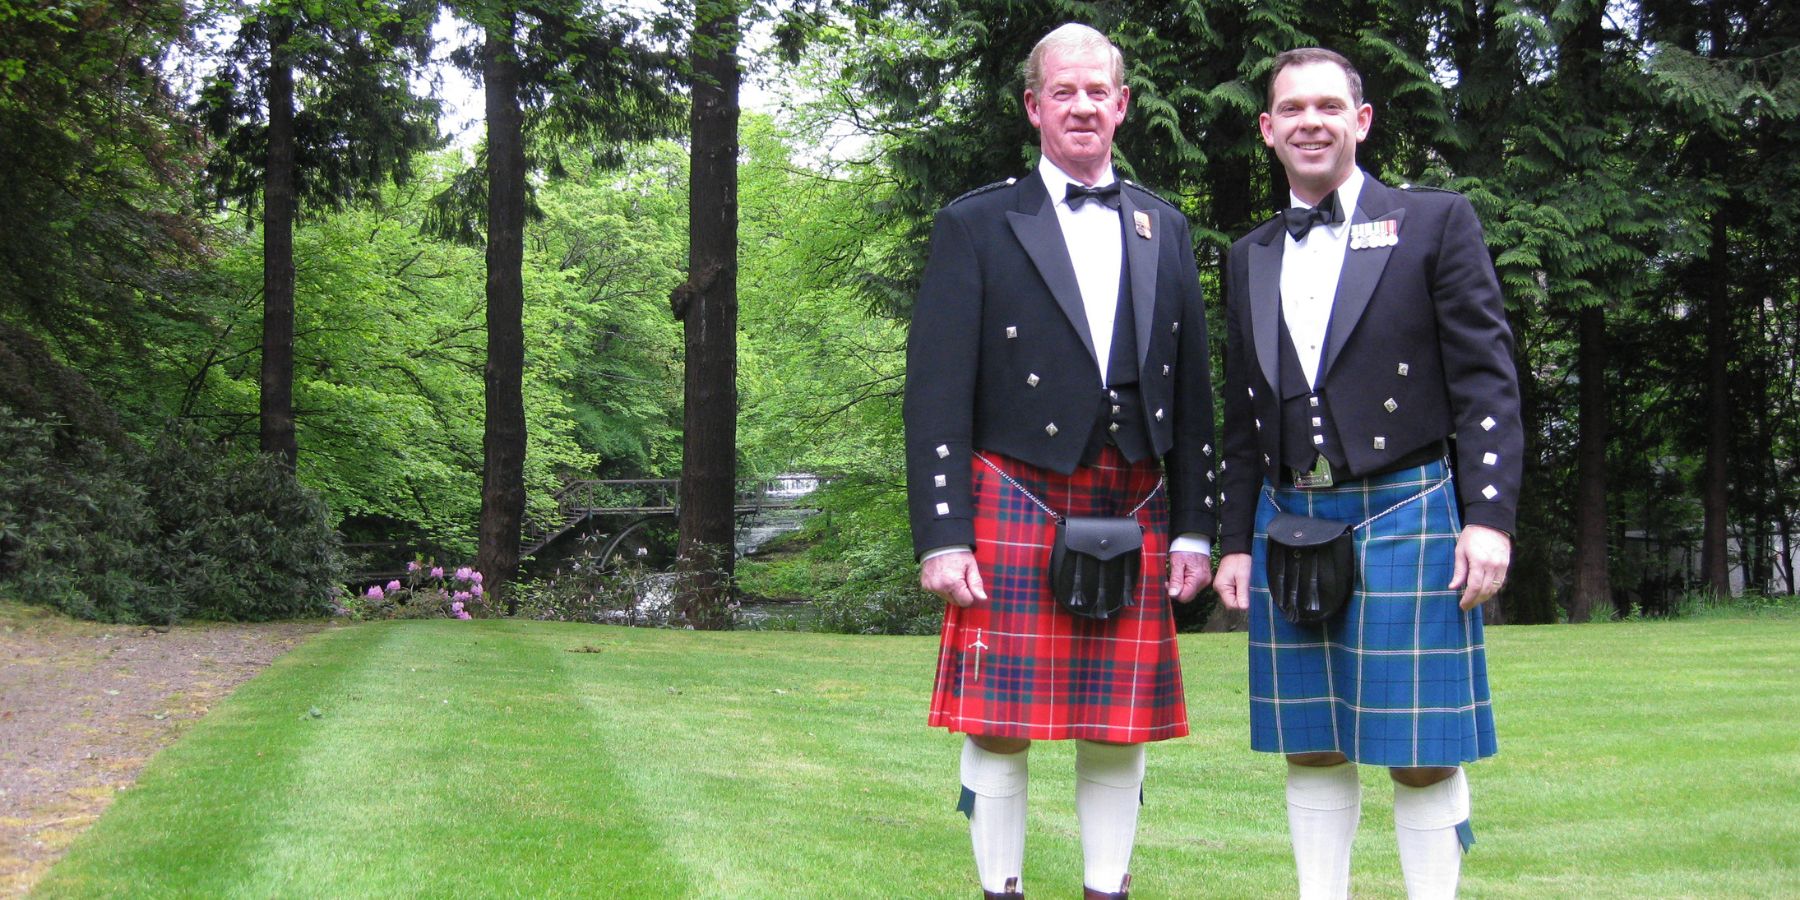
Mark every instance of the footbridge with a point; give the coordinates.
(642, 500)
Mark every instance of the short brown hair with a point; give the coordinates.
(1306, 56)
(1070, 37)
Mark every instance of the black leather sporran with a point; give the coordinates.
(1311, 567)
(1095, 564)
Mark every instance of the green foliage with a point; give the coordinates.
(1704, 606)
(184, 530)
(356, 123)
(880, 591)
(98, 196)
(76, 533)
(241, 539)
(789, 576)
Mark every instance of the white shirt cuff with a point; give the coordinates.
(1191, 543)
(944, 551)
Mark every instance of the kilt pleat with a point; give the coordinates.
(1019, 665)
(1399, 677)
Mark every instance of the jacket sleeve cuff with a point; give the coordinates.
(1491, 515)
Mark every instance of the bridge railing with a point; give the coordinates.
(579, 499)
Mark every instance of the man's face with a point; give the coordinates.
(1314, 127)
(1076, 111)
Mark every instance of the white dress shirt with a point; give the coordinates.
(1094, 229)
(1309, 277)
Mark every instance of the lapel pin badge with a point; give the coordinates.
(1141, 220)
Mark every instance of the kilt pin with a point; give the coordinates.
(1018, 665)
(1399, 678)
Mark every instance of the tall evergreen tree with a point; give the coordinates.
(100, 220)
(708, 305)
(1725, 72)
(312, 106)
(571, 70)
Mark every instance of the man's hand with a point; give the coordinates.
(954, 577)
(1482, 557)
(1189, 573)
(1233, 582)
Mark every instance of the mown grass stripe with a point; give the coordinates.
(1652, 759)
(446, 762)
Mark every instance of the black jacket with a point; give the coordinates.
(999, 357)
(1418, 350)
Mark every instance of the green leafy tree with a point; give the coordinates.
(100, 224)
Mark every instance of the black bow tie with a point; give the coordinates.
(1078, 194)
(1300, 220)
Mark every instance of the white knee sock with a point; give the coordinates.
(997, 823)
(1425, 821)
(1324, 804)
(1109, 780)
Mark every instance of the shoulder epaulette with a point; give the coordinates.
(1427, 187)
(1148, 193)
(982, 190)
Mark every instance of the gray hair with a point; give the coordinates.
(1071, 37)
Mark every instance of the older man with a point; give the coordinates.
(1057, 367)
(1366, 331)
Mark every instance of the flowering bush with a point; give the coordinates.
(425, 594)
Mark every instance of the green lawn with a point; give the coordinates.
(487, 759)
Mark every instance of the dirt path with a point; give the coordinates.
(83, 706)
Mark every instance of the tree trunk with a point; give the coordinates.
(503, 438)
(1715, 564)
(1787, 549)
(276, 403)
(1593, 587)
(709, 416)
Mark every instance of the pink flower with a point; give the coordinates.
(414, 566)
(437, 571)
(476, 590)
(477, 577)
(374, 592)
(456, 607)
(393, 585)
(462, 597)
(464, 615)
(464, 573)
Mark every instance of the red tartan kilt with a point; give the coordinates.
(1019, 665)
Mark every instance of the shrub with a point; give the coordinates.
(880, 592)
(427, 593)
(76, 534)
(623, 592)
(188, 529)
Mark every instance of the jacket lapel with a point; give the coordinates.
(1362, 270)
(1265, 299)
(1141, 251)
(1035, 224)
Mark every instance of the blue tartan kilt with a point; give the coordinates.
(1399, 676)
